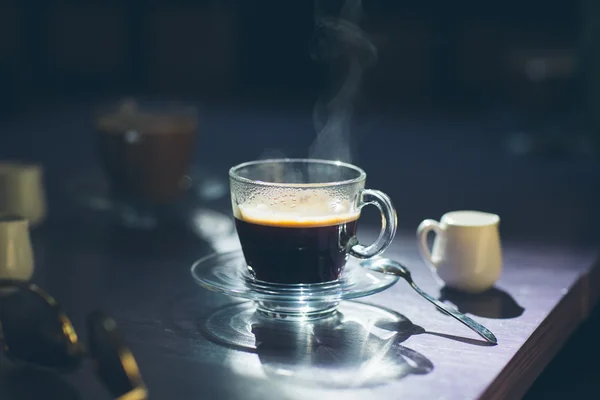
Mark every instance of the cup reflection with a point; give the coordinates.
(359, 346)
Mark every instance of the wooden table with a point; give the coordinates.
(549, 283)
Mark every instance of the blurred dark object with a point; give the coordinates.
(146, 148)
(36, 332)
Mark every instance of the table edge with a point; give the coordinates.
(535, 354)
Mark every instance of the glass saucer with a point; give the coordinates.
(227, 273)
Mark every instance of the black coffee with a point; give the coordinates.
(295, 250)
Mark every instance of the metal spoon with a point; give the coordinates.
(391, 267)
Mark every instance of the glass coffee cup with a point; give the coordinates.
(297, 219)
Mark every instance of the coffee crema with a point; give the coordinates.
(293, 242)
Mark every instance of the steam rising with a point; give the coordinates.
(346, 52)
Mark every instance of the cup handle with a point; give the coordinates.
(388, 224)
(423, 230)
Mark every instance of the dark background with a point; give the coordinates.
(431, 52)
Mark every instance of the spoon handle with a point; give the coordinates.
(471, 323)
